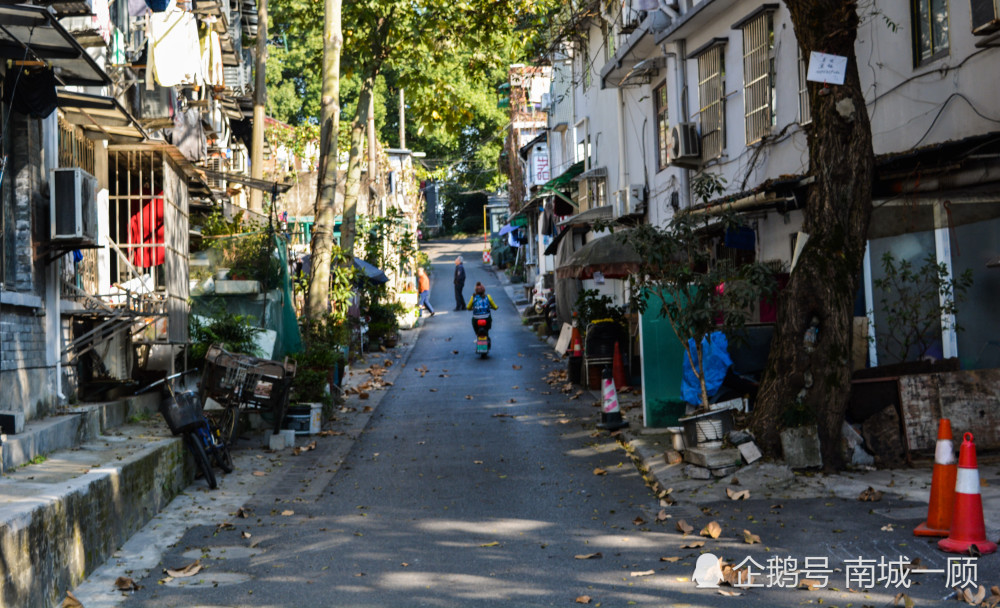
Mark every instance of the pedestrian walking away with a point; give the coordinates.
(459, 284)
(424, 289)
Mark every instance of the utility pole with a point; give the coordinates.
(259, 101)
(402, 121)
(374, 206)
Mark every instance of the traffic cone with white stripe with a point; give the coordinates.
(942, 485)
(611, 414)
(968, 530)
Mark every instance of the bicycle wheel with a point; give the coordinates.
(228, 423)
(222, 456)
(194, 443)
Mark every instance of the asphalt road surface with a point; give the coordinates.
(476, 483)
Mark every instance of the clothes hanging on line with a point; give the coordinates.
(174, 48)
(145, 228)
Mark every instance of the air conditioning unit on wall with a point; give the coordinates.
(985, 16)
(73, 206)
(684, 148)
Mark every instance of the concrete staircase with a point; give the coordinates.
(75, 487)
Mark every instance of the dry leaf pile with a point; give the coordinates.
(870, 495)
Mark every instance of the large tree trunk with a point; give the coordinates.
(837, 211)
(352, 190)
(318, 300)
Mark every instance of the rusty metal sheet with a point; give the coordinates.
(970, 399)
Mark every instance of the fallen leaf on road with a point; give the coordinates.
(583, 599)
(259, 474)
(469, 397)
(516, 366)
(903, 599)
(589, 556)
(740, 495)
(729, 592)
(124, 583)
(600, 471)
(512, 400)
(662, 516)
(287, 512)
(492, 544)
(363, 395)
(712, 530)
(366, 409)
(974, 597)
(644, 573)
(454, 352)
(684, 528)
(224, 526)
(188, 570)
(71, 601)
(245, 534)
(871, 495)
(305, 448)
(750, 538)
(434, 390)
(638, 521)
(887, 528)
(243, 513)
(670, 559)
(810, 584)
(477, 462)
(693, 544)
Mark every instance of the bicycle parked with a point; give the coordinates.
(184, 414)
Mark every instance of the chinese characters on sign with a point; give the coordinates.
(828, 69)
(859, 573)
(541, 161)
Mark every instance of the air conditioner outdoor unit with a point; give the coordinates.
(73, 206)
(985, 17)
(684, 143)
(636, 199)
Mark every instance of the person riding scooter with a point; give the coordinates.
(481, 304)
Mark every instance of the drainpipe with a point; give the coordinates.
(53, 300)
(622, 156)
(681, 58)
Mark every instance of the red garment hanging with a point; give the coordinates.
(146, 228)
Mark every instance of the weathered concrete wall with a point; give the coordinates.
(25, 379)
(56, 544)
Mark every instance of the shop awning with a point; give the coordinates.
(553, 188)
(33, 35)
(611, 255)
(100, 117)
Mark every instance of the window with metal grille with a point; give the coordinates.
(662, 126)
(711, 95)
(930, 30)
(805, 112)
(758, 76)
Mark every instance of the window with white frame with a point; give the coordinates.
(609, 41)
(805, 112)
(662, 127)
(758, 75)
(930, 30)
(712, 97)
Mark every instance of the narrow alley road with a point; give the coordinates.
(475, 483)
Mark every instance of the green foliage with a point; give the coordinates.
(235, 333)
(323, 340)
(591, 306)
(245, 248)
(695, 293)
(382, 319)
(916, 301)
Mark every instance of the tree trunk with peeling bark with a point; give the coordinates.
(352, 189)
(318, 299)
(824, 282)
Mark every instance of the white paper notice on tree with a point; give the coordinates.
(828, 69)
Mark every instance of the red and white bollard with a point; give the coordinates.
(611, 415)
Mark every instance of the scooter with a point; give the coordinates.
(482, 338)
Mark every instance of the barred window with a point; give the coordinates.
(712, 97)
(805, 112)
(662, 126)
(930, 30)
(758, 76)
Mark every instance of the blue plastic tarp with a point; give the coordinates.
(715, 361)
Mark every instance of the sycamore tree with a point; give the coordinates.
(414, 39)
(810, 361)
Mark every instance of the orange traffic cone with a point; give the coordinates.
(618, 368)
(942, 485)
(577, 343)
(968, 530)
